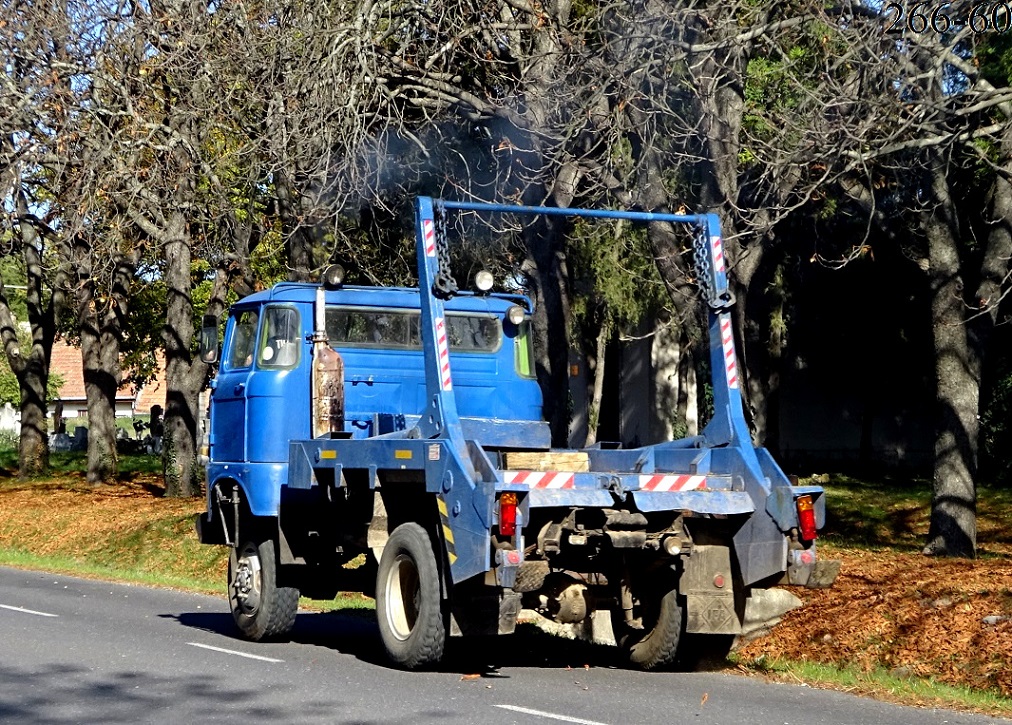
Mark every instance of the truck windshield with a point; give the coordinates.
(351, 327)
(279, 341)
(243, 337)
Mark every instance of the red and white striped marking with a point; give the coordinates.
(727, 340)
(718, 253)
(429, 234)
(671, 482)
(541, 479)
(443, 351)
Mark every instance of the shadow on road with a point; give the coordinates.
(354, 632)
(76, 694)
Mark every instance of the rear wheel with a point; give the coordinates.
(261, 609)
(410, 609)
(652, 641)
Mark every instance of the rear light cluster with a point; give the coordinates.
(806, 518)
(508, 513)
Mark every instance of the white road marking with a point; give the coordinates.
(234, 652)
(552, 715)
(27, 611)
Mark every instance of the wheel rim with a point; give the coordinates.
(247, 580)
(402, 597)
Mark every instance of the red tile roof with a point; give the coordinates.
(153, 393)
(68, 364)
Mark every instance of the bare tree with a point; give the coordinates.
(184, 176)
(35, 181)
(929, 139)
(209, 129)
(361, 105)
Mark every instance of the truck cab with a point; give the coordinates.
(260, 397)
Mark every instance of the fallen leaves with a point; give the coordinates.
(906, 613)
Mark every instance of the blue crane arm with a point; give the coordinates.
(760, 544)
(729, 426)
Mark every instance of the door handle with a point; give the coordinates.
(239, 388)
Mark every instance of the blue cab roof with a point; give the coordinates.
(405, 297)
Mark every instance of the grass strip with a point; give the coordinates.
(72, 566)
(881, 684)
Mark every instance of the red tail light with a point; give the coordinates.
(806, 518)
(508, 514)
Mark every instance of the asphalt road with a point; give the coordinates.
(81, 651)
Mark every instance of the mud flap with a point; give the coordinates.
(209, 532)
(707, 584)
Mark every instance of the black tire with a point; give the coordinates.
(261, 609)
(410, 610)
(656, 645)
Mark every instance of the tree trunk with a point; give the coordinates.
(33, 445)
(31, 370)
(688, 390)
(185, 375)
(674, 384)
(594, 413)
(100, 353)
(32, 374)
(101, 325)
(760, 324)
(298, 246)
(953, 528)
(550, 323)
(179, 439)
(179, 454)
(533, 180)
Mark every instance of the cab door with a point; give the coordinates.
(229, 396)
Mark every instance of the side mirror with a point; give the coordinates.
(209, 340)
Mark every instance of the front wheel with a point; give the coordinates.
(410, 610)
(260, 608)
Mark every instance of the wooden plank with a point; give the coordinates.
(547, 461)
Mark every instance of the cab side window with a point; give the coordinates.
(523, 351)
(393, 330)
(279, 343)
(243, 339)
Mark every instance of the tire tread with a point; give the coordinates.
(426, 644)
(279, 606)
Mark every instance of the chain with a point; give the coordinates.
(445, 285)
(701, 255)
(704, 266)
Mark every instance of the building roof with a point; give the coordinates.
(68, 363)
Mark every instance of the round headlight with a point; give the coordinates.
(483, 280)
(516, 314)
(333, 276)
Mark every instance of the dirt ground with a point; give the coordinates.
(908, 614)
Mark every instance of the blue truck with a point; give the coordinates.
(390, 441)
